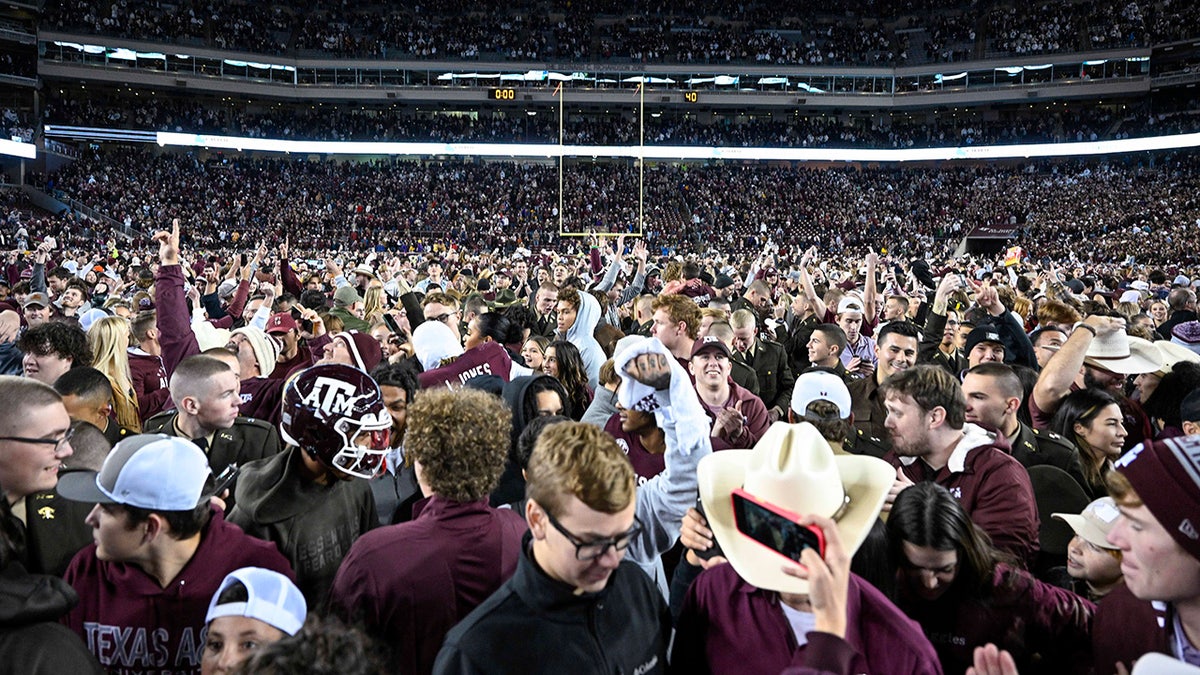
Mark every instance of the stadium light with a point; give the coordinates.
(679, 152)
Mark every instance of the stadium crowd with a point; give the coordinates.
(751, 32)
(412, 206)
(461, 446)
(299, 415)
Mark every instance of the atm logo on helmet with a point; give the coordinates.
(332, 396)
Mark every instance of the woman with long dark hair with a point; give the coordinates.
(1092, 419)
(564, 364)
(965, 593)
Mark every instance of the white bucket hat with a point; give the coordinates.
(792, 467)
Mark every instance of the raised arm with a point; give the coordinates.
(1060, 372)
(817, 302)
(871, 292)
(171, 315)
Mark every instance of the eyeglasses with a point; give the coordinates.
(56, 442)
(441, 318)
(590, 550)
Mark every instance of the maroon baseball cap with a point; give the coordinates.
(281, 323)
(710, 343)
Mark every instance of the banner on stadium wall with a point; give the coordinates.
(993, 231)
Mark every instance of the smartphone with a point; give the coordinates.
(392, 324)
(225, 479)
(714, 550)
(774, 527)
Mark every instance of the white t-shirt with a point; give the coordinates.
(802, 623)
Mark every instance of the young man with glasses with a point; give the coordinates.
(35, 441)
(592, 611)
(443, 309)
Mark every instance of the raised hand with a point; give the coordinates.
(651, 369)
(168, 244)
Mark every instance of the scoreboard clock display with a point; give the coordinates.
(508, 94)
(691, 96)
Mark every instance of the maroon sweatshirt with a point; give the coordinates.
(149, 379)
(488, 358)
(134, 626)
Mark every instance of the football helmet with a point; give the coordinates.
(335, 413)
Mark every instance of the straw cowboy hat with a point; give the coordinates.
(365, 270)
(792, 467)
(1172, 353)
(1123, 354)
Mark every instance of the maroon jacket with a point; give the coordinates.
(729, 626)
(489, 358)
(700, 292)
(992, 487)
(287, 276)
(757, 419)
(174, 324)
(1125, 629)
(411, 583)
(149, 379)
(133, 625)
(302, 360)
(1016, 612)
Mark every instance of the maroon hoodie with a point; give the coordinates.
(133, 626)
(149, 379)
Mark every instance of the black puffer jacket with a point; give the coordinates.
(31, 639)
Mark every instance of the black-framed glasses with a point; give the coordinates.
(56, 442)
(441, 318)
(590, 550)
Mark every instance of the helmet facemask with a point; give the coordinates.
(364, 445)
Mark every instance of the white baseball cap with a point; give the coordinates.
(148, 471)
(270, 597)
(819, 385)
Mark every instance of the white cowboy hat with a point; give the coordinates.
(364, 270)
(1174, 353)
(792, 467)
(1123, 354)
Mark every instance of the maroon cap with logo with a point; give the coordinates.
(281, 323)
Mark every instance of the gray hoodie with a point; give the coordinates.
(580, 335)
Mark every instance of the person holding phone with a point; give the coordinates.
(772, 608)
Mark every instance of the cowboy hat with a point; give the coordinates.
(1123, 354)
(1174, 353)
(505, 298)
(792, 467)
(365, 270)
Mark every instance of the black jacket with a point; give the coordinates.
(775, 379)
(54, 531)
(1033, 447)
(31, 639)
(534, 624)
(931, 338)
(247, 440)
